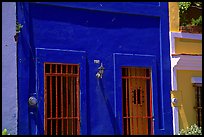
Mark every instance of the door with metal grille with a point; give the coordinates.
(137, 101)
(61, 99)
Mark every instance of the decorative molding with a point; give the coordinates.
(186, 62)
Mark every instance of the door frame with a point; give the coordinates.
(133, 60)
(59, 56)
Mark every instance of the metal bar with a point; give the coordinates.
(127, 114)
(56, 86)
(72, 100)
(78, 120)
(45, 102)
(138, 110)
(62, 107)
(62, 118)
(62, 64)
(67, 97)
(138, 117)
(131, 104)
(143, 105)
(58, 74)
(146, 96)
(131, 77)
(123, 125)
(137, 113)
(51, 99)
(151, 115)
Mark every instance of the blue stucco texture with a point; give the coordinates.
(99, 34)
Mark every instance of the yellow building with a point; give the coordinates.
(186, 73)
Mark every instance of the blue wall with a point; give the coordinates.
(103, 31)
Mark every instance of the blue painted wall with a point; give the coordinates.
(9, 68)
(117, 34)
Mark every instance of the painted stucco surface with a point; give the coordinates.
(187, 114)
(173, 16)
(189, 46)
(9, 69)
(117, 35)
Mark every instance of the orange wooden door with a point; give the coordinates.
(137, 101)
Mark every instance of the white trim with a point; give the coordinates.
(196, 80)
(174, 62)
(172, 43)
(173, 78)
(175, 120)
(186, 62)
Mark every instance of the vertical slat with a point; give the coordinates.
(131, 103)
(142, 119)
(151, 116)
(51, 99)
(56, 77)
(72, 106)
(78, 120)
(123, 125)
(62, 107)
(45, 101)
(137, 110)
(67, 97)
(145, 120)
(74, 101)
(146, 95)
(127, 114)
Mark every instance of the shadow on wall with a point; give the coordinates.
(108, 105)
(90, 18)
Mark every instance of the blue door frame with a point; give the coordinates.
(147, 61)
(55, 56)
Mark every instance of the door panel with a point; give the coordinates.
(137, 101)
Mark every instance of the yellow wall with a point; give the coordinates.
(173, 16)
(187, 115)
(188, 46)
(185, 91)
